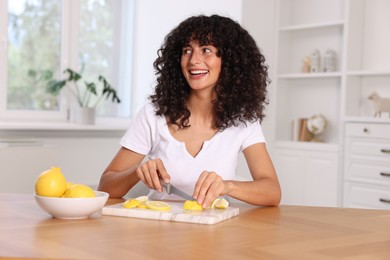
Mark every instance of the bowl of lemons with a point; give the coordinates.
(66, 200)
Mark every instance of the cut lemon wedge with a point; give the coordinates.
(157, 205)
(131, 203)
(142, 198)
(219, 203)
(192, 205)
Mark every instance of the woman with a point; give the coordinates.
(207, 107)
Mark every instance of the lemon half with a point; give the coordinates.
(219, 203)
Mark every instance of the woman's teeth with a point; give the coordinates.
(197, 72)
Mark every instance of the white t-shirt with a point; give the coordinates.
(149, 134)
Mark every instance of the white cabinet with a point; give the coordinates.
(367, 138)
(357, 30)
(308, 177)
(82, 156)
(367, 165)
(308, 172)
(22, 162)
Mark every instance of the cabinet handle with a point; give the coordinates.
(385, 174)
(384, 200)
(385, 150)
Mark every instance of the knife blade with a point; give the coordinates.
(173, 190)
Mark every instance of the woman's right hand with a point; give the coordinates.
(151, 172)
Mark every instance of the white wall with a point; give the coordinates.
(258, 17)
(154, 19)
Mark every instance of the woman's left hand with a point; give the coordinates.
(208, 187)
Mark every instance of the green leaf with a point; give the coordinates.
(47, 75)
(91, 87)
(32, 73)
(55, 86)
(73, 76)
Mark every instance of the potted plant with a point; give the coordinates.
(86, 113)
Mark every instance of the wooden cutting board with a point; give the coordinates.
(177, 213)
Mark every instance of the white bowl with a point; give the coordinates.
(72, 208)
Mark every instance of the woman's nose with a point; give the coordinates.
(196, 57)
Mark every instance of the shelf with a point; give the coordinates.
(369, 73)
(361, 119)
(323, 147)
(311, 26)
(309, 75)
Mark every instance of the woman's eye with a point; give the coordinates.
(206, 50)
(186, 51)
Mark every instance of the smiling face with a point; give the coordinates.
(200, 65)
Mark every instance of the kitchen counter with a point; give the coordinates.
(285, 232)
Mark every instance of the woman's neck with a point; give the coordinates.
(201, 108)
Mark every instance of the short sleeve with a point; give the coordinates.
(138, 136)
(253, 134)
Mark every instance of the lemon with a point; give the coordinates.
(68, 184)
(142, 198)
(142, 206)
(131, 203)
(192, 205)
(220, 203)
(50, 183)
(157, 205)
(79, 191)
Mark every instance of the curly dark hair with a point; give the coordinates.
(241, 93)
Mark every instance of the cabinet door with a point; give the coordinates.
(21, 165)
(321, 179)
(289, 166)
(82, 160)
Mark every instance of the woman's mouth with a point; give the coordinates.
(198, 72)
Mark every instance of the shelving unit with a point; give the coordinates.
(357, 30)
(297, 94)
(307, 170)
(367, 58)
(366, 168)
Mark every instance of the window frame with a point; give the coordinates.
(69, 20)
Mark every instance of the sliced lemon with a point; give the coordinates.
(131, 203)
(142, 198)
(192, 205)
(142, 206)
(220, 203)
(157, 205)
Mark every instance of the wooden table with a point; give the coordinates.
(285, 232)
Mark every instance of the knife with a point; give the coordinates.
(173, 190)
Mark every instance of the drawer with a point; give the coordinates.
(367, 147)
(358, 195)
(367, 130)
(367, 171)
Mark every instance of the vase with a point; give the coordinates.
(85, 115)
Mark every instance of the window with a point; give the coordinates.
(44, 37)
